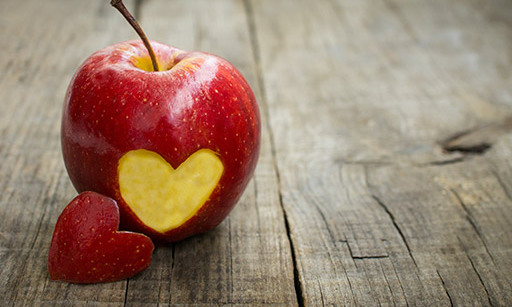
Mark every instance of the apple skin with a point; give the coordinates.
(196, 101)
(87, 247)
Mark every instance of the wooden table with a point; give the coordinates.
(385, 173)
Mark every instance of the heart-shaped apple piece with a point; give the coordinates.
(162, 197)
(88, 248)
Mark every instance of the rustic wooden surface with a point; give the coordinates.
(385, 175)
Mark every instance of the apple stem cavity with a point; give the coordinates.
(119, 5)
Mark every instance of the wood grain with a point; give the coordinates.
(385, 173)
(360, 93)
(39, 56)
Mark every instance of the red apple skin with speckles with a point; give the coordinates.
(196, 101)
(87, 247)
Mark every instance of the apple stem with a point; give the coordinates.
(119, 5)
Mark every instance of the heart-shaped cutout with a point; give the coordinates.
(162, 197)
(88, 248)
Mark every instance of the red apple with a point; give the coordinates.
(87, 248)
(175, 148)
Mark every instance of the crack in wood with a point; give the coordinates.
(251, 24)
(444, 287)
(447, 162)
(126, 292)
(349, 249)
(296, 276)
(471, 220)
(481, 280)
(324, 220)
(370, 257)
(479, 148)
(397, 227)
(363, 256)
(477, 140)
(321, 293)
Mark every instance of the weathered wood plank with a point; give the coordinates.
(43, 43)
(447, 232)
(360, 94)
